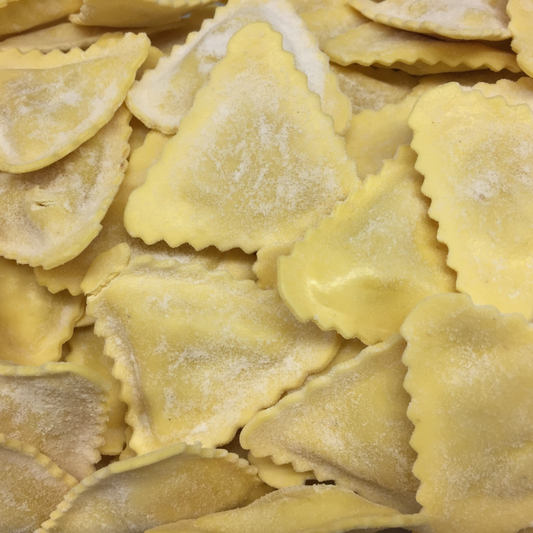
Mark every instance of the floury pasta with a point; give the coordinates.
(265, 266)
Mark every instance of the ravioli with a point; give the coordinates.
(366, 266)
(21, 15)
(46, 113)
(32, 485)
(33, 323)
(197, 352)
(476, 161)
(87, 349)
(254, 163)
(70, 274)
(470, 371)
(318, 509)
(455, 19)
(383, 46)
(133, 13)
(348, 426)
(60, 408)
(50, 216)
(134, 495)
(164, 96)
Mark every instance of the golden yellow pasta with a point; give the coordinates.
(210, 196)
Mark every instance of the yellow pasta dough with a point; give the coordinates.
(30, 488)
(278, 476)
(133, 13)
(60, 408)
(456, 19)
(470, 371)
(21, 15)
(70, 274)
(183, 247)
(521, 12)
(199, 353)
(164, 96)
(332, 425)
(375, 136)
(317, 509)
(255, 161)
(372, 88)
(33, 323)
(46, 113)
(88, 350)
(49, 216)
(155, 489)
(366, 266)
(476, 161)
(383, 46)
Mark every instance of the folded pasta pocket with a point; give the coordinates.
(21, 15)
(50, 216)
(470, 374)
(331, 426)
(255, 161)
(32, 485)
(383, 46)
(34, 324)
(316, 509)
(133, 13)
(175, 483)
(60, 408)
(477, 163)
(70, 274)
(455, 19)
(199, 353)
(46, 113)
(367, 265)
(166, 94)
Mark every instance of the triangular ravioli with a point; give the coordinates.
(414, 53)
(199, 353)
(31, 487)
(367, 265)
(60, 408)
(349, 426)
(175, 483)
(477, 164)
(455, 19)
(164, 96)
(470, 375)
(255, 161)
(34, 324)
(46, 113)
(49, 216)
(316, 509)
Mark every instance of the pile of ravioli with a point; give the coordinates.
(266, 266)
